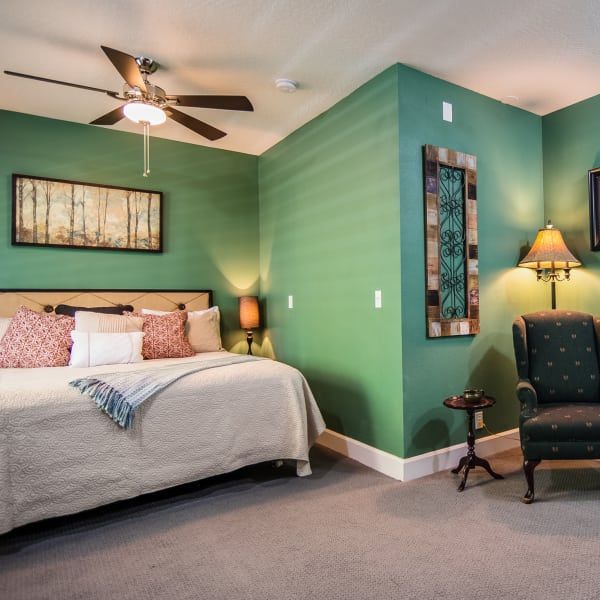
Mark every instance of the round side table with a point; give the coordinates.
(471, 460)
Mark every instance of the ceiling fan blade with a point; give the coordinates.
(204, 129)
(110, 118)
(75, 85)
(127, 66)
(223, 102)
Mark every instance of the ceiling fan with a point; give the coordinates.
(149, 104)
(145, 99)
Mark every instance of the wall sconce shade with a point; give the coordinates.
(550, 258)
(249, 314)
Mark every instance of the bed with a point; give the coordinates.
(59, 454)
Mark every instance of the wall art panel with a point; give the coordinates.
(451, 248)
(56, 212)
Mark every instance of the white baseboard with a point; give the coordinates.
(406, 469)
(384, 462)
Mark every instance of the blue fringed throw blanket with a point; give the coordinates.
(119, 394)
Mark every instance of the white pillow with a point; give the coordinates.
(92, 349)
(93, 322)
(202, 328)
(4, 323)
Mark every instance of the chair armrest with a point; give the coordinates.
(527, 397)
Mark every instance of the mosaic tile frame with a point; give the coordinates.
(437, 325)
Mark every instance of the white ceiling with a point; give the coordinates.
(545, 52)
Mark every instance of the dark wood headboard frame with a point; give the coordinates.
(50, 308)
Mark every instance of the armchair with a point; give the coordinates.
(559, 388)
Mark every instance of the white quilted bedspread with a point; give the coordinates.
(59, 454)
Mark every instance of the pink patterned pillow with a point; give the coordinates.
(165, 336)
(36, 340)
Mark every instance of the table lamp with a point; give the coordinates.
(249, 317)
(550, 258)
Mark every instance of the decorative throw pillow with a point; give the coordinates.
(92, 322)
(202, 328)
(92, 349)
(36, 340)
(66, 309)
(165, 336)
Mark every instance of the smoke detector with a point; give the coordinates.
(289, 86)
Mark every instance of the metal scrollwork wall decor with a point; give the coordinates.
(452, 300)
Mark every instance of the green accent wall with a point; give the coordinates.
(572, 147)
(508, 144)
(330, 236)
(341, 214)
(210, 212)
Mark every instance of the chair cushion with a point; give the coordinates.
(563, 423)
(561, 450)
(562, 355)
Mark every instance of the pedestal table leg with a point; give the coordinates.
(469, 458)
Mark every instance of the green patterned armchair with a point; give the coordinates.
(559, 388)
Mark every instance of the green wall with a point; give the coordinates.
(508, 145)
(341, 214)
(210, 216)
(572, 147)
(330, 236)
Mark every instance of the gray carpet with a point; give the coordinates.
(346, 532)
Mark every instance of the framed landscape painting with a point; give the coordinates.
(60, 213)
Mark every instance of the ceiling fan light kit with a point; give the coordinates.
(149, 104)
(139, 111)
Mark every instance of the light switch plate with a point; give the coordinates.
(290, 301)
(378, 299)
(447, 111)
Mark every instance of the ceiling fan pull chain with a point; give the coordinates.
(146, 148)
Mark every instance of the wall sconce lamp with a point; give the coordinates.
(249, 317)
(550, 258)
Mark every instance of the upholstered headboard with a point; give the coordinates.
(46, 300)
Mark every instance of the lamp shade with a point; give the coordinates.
(549, 251)
(249, 313)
